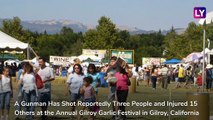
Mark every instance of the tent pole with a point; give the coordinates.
(203, 70)
(33, 51)
(28, 52)
(3, 57)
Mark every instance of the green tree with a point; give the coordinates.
(105, 36)
(179, 46)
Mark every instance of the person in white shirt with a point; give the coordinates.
(70, 70)
(6, 92)
(47, 76)
(75, 82)
(164, 72)
(30, 93)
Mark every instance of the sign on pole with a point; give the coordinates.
(127, 55)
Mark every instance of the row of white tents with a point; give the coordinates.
(9, 44)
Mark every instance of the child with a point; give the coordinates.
(199, 82)
(6, 92)
(89, 94)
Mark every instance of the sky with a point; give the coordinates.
(143, 14)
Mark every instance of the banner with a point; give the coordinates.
(98, 53)
(152, 61)
(127, 55)
(60, 60)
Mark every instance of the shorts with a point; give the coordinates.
(181, 80)
(45, 97)
(5, 100)
(74, 97)
(90, 100)
(146, 77)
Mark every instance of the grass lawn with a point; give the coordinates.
(143, 94)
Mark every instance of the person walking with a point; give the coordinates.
(92, 71)
(164, 72)
(188, 77)
(75, 82)
(111, 79)
(6, 93)
(30, 91)
(209, 75)
(181, 76)
(154, 75)
(47, 76)
(122, 89)
(89, 95)
(20, 94)
(147, 76)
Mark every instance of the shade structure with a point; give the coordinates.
(172, 61)
(8, 43)
(206, 51)
(193, 56)
(92, 57)
(209, 18)
(88, 60)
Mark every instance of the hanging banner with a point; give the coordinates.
(60, 60)
(98, 53)
(152, 61)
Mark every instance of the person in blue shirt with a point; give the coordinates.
(92, 71)
(102, 74)
(20, 91)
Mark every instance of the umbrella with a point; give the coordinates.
(172, 61)
(193, 56)
(209, 18)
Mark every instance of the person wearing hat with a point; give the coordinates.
(209, 77)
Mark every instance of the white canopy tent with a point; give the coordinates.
(209, 18)
(206, 51)
(93, 57)
(8, 43)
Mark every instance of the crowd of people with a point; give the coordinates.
(83, 83)
(27, 88)
(81, 86)
(187, 76)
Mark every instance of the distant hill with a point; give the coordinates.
(54, 26)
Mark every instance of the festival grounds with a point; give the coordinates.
(143, 94)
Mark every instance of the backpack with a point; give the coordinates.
(39, 82)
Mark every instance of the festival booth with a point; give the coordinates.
(9, 44)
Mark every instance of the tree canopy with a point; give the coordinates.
(107, 36)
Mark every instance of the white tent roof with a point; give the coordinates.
(9, 43)
(206, 51)
(93, 57)
(209, 18)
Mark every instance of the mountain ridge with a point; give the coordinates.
(54, 26)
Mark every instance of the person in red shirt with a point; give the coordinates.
(122, 88)
(199, 82)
